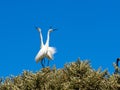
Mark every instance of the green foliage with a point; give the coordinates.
(77, 75)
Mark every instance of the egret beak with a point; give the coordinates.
(37, 28)
(54, 29)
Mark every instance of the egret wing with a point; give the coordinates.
(51, 51)
(39, 56)
(49, 55)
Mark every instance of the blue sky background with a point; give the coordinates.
(86, 29)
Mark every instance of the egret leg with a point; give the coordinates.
(42, 63)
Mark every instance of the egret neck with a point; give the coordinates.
(48, 37)
(41, 40)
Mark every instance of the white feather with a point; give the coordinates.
(45, 50)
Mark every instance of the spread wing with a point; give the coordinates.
(39, 56)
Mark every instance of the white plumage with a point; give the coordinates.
(45, 49)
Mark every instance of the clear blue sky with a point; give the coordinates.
(86, 29)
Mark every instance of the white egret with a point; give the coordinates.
(45, 49)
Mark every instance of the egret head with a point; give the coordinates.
(51, 30)
(39, 29)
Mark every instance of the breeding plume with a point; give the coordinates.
(45, 50)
